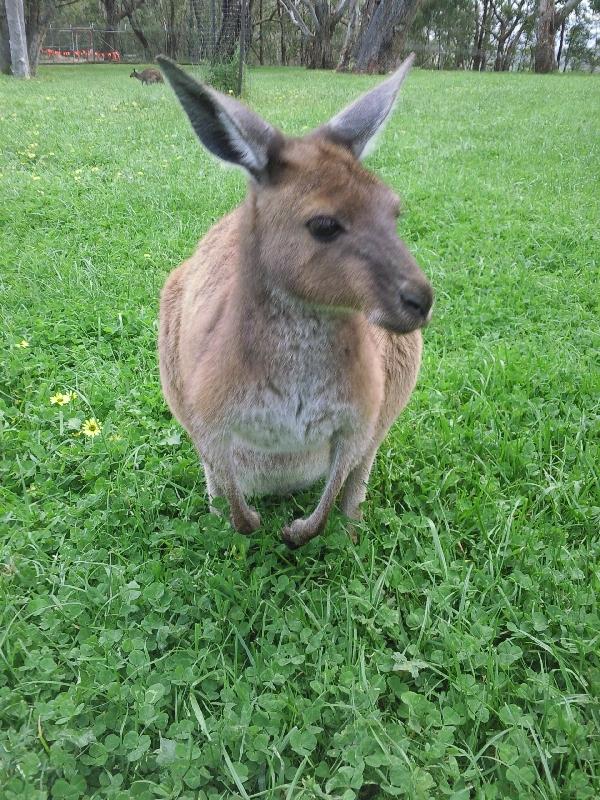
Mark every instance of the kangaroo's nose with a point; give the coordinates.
(418, 298)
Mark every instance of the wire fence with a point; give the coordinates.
(221, 34)
(92, 45)
(205, 44)
(202, 31)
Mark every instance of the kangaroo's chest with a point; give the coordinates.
(291, 414)
(302, 398)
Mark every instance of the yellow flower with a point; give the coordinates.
(60, 399)
(23, 343)
(91, 427)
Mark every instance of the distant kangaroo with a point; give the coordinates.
(290, 341)
(148, 76)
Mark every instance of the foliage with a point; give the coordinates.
(223, 74)
(445, 34)
(582, 47)
(149, 652)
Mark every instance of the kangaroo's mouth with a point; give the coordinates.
(405, 320)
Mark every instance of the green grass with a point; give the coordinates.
(148, 651)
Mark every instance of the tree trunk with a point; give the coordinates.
(320, 48)
(561, 42)
(502, 36)
(36, 40)
(141, 37)
(261, 53)
(376, 38)
(112, 23)
(282, 44)
(213, 30)
(346, 53)
(478, 28)
(545, 30)
(172, 39)
(4, 43)
(114, 13)
(229, 32)
(38, 16)
(548, 22)
(15, 17)
(481, 38)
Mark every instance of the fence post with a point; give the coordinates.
(213, 30)
(242, 46)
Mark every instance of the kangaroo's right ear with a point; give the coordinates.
(225, 126)
(358, 124)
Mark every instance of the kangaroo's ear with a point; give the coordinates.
(225, 126)
(357, 125)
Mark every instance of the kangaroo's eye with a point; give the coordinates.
(324, 229)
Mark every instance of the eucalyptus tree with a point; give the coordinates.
(15, 25)
(379, 28)
(4, 42)
(316, 20)
(549, 21)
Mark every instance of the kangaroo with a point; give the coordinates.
(290, 341)
(148, 76)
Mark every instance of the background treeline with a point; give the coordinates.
(350, 35)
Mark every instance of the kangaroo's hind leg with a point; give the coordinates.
(221, 482)
(355, 488)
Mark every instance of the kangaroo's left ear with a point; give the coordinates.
(357, 125)
(225, 126)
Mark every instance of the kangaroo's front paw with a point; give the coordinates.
(297, 533)
(246, 523)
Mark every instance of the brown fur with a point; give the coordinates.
(148, 76)
(264, 328)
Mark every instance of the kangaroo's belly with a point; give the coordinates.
(283, 439)
(292, 424)
(261, 472)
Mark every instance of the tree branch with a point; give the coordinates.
(340, 10)
(495, 12)
(518, 17)
(312, 12)
(258, 22)
(296, 18)
(128, 9)
(564, 12)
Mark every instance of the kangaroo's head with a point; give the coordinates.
(134, 74)
(321, 227)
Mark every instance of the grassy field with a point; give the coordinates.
(146, 650)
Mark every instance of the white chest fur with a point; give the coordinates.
(302, 400)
